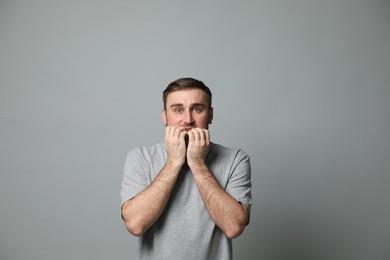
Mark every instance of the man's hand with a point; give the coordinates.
(198, 146)
(175, 144)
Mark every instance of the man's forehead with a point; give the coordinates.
(196, 96)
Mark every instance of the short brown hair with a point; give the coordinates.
(186, 83)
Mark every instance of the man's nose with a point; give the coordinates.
(188, 119)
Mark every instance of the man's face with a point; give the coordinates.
(188, 108)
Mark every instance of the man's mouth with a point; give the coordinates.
(189, 127)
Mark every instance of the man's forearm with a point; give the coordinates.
(145, 208)
(227, 213)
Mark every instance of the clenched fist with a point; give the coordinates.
(198, 146)
(176, 144)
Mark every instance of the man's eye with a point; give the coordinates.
(178, 110)
(197, 109)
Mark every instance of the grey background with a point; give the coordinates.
(302, 86)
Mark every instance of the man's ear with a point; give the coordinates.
(211, 116)
(164, 116)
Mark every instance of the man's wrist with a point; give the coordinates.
(174, 164)
(198, 167)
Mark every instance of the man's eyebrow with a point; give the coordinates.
(176, 105)
(192, 105)
(198, 105)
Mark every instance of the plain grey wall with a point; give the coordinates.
(302, 86)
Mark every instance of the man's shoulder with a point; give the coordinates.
(149, 149)
(221, 149)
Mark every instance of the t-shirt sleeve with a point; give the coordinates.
(239, 184)
(134, 176)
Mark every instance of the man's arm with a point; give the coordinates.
(227, 213)
(144, 209)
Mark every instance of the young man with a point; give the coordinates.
(186, 198)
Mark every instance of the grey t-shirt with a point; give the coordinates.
(185, 229)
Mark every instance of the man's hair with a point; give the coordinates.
(183, 84)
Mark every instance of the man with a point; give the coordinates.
(186, 198)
